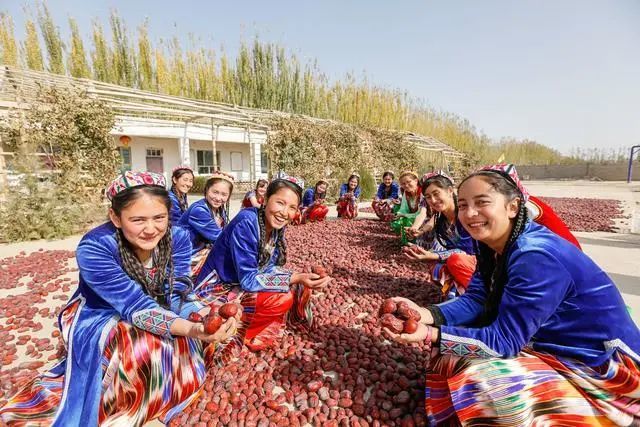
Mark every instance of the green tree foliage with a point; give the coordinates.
(63, 156)
(52, 40)
(31, 47)
(265, 75)
(8, 46)
(77, 61)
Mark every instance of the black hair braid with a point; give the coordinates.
(263, 254)
(163, 261)
(442, 225)
(182, 200)
(493, 268)
(282, 249)
(134, 268)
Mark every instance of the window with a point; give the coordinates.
(264, 162)
(205, 161)
(236, 161)
(125, 158)
(154, 152)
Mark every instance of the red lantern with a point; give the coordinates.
(125, 140)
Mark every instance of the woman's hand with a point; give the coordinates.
(419, 336)
(418, 253)
(226, 330)
(425, 315)
(310, 280)
(413, 231)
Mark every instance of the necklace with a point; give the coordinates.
(412, 203)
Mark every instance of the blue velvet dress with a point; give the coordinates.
(563, 349)
(176, 212)
(108, 309)
(202, 227)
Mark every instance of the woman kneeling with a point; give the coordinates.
(131, 354)
(246, 265)
(542, 335)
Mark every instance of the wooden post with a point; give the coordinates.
(214, 139)
(252, 157)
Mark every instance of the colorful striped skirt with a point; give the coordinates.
(144, 377)
(264, 316)
(533, 389)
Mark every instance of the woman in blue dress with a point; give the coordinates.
(247, 264)
(205, 219)
(132, 355)
(181, 183)
(542, 335)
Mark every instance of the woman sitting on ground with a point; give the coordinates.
(409, 205)
(132, 355)
(347, 205)
(255, 197)
(313, 203)
(246, 264)
(452, 253)
(205, 219)
(387, 198)
(541, 337)
(181, 183)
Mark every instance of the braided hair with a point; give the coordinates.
(442, 225)
(224, 212)
(264, 255)
(182, 198)
(162, 254)
(491, 265)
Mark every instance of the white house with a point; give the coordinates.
(160, 145)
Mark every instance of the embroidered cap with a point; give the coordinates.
(508, 171)
(182, 167)
(293, 179)
(440, 172)
(223, 175)
(412, 173)
(129, 179)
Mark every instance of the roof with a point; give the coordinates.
(19, 86)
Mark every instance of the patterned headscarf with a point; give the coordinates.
(223, 175)
(434, 174)
(129, 179)
(407, 172)
(293, 179)
(508, 171)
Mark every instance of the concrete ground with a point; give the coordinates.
(617, 253)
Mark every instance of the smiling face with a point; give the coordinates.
(387, 180)
(353, 183)
(322, 188)
(218, 194)
(262, 190)
(184, 183)
(439, 199)
(486, 213)
(144, 222)
(409, 183)
(281, 208)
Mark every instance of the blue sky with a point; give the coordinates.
(564, 73)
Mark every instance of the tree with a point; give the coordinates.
(52, 40)
(31, 47)
(77, 62)
(8, 46)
